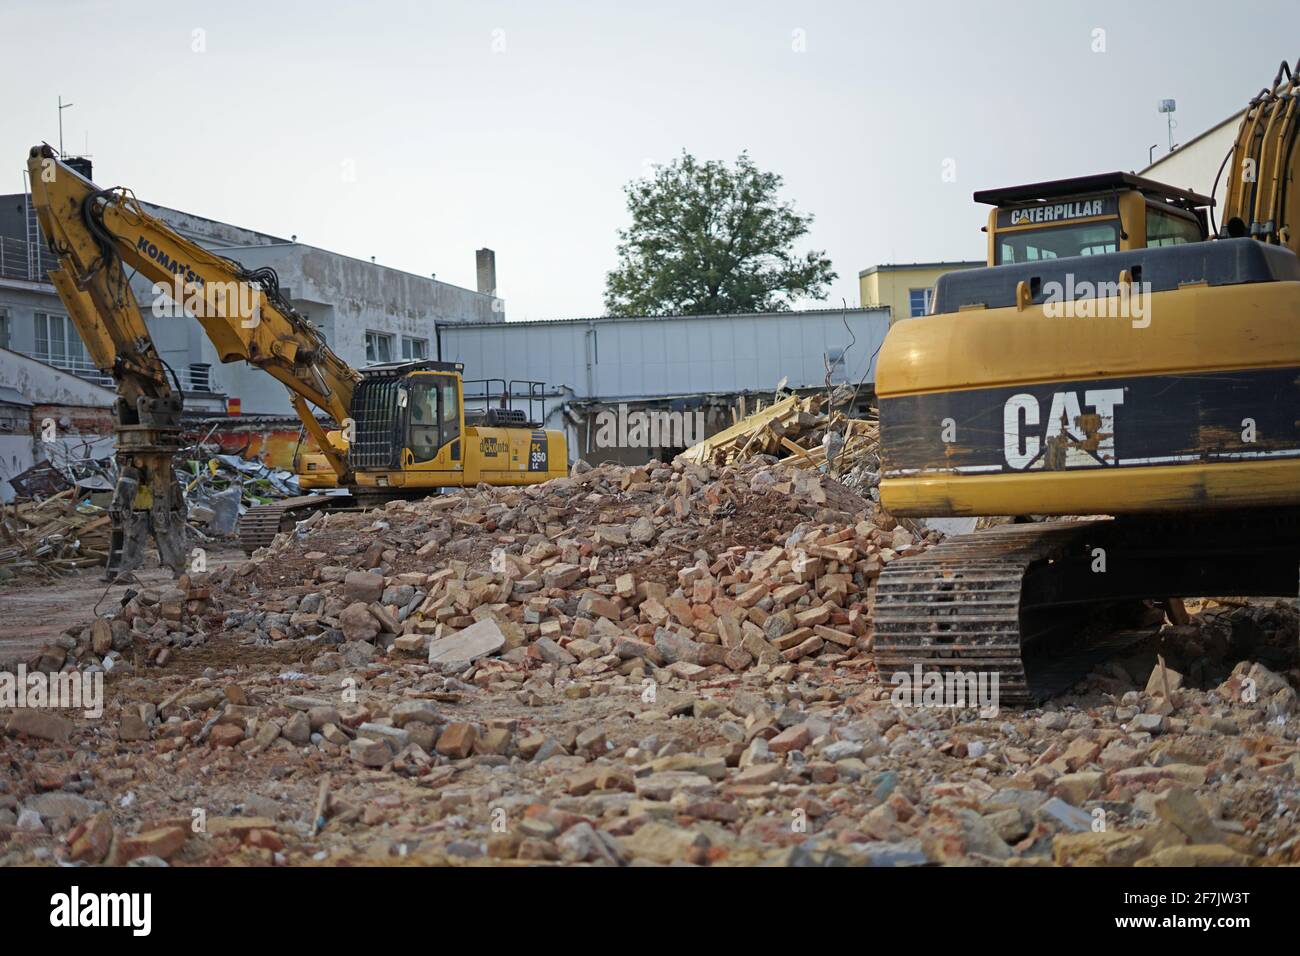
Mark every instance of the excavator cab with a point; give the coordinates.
(419, 426)
(1089, 216)
(405, 413)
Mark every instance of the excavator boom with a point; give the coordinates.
(96, 234)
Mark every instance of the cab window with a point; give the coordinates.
(434, 415)
(1058, 242)
(1164, 229)
(448, 407)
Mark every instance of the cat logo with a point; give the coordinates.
(489, 447)
(1087, 440)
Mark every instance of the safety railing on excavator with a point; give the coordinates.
(496, 401)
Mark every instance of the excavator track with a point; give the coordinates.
(259, 525)
(1041, 604)
(958, 606)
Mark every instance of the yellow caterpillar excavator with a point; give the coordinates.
(1122, 356)
(404, 429)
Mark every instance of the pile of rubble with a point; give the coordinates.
(812, 432)
(669, 664)
(770, 430)
(630, 568)
(221, 488)
(53, 536)
(60, 521)
(145, 629)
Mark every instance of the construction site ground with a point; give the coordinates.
(34, 612)
(664, 665)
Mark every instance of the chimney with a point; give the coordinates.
(486, 260)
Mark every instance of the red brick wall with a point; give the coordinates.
(79, 420)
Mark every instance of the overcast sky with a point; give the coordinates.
(417, 132)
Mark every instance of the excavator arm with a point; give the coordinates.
(97, 233)
(1261, 199)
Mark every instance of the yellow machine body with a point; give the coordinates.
(1109, 360)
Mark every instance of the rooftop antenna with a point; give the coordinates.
(62, 106)
(1167, 107)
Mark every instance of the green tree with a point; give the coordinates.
(712, 238)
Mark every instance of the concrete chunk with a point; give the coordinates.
(478, 640)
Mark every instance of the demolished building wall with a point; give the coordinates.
(81, 413)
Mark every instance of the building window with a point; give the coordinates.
(414, 350)
(4, 329)
(918, 301)
(43, 337)
(379, 348)
(200, 377)
(58, 343)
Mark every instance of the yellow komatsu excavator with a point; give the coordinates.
(403, 428)
(1121, 355)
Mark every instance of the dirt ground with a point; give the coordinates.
(33, 612)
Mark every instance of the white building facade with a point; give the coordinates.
(368, 313)
(1195, 165)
